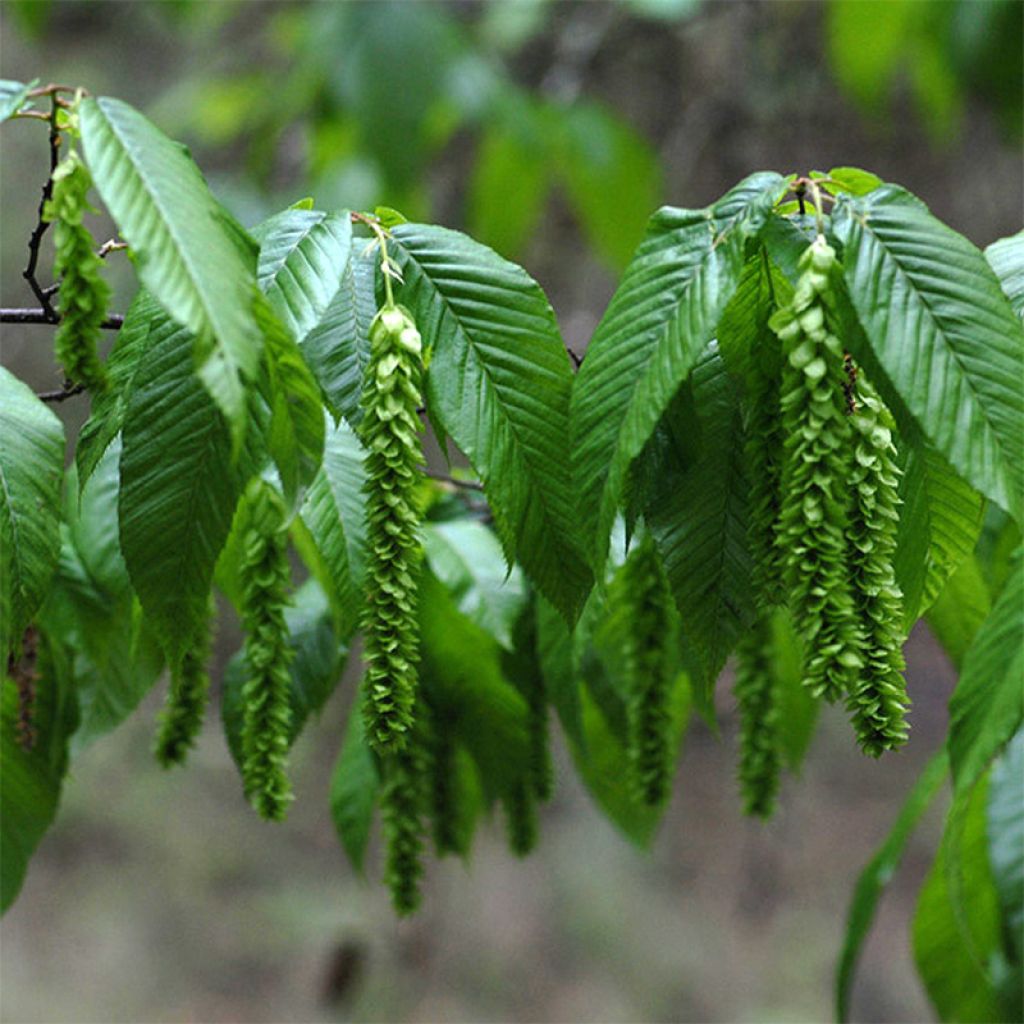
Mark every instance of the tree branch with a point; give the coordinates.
(43, 316)
(68, 391)
(41, 225)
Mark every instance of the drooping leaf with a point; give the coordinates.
(697, 516)
(13, 96)
(460, 672)
(499, 383)
(941, 332)
(1005, 831)
(186, 248)
(954, 954)
(355, 783)
(318, 660)
(466, 557)
(661, 318)
(940, 520)
(304, 257)
(338, 347)
(1006, 258)
(30, 780)
(876, 876)
(330, 533)
(106, 416)
(960, 609)
(31, 468)
(115, 655)
(179, 487)
(296, 435)
(987, 707)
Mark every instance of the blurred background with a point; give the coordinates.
(549, 131)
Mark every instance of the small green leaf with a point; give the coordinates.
(13, 96)
(31, 469)
(850, 179)
(1006, 258)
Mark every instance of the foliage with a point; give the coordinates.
(718, 476)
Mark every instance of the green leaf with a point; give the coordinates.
(185, 249)
(31, 468)
(338, 347)
(939, 525)
(697, 516)
(355, 783)
(510, 180)
(466, 558)
(876, 876)
(558, 667)
(499, 384)
(798, 708)
(960, 609)
(116, 656)
(304, 256)
(955, 957)
(30, 780)
(660, 319)
(330, 533)
(942, 333)
(296, 435)
(13, 95)
(106, 416)
(849, 179)
(462, 680)
(318, 660)
(179, 487)
(611, 174)
(987, 707)
(1006, 258)
(1005, 830)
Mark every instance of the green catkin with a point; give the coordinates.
(759, 721)
(542, 776)
(648, 672)
(264, 576)
(182, 717)
(391, 434)
(814, 513)
(444, 816)
(521, 818)
(878, 700)
(83, 295)
(403, 827)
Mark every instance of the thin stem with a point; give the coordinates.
(469, 485)
(68, 391)
(43, 316)
(36, 238)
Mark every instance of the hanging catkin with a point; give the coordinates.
(391, 434)
(521, 818)
(264, 576)
(182, 717)
(756, 698)
(438, 741)
(814, 514)
(403, 827)
(878, 699)
(645, 589)
(83, 294)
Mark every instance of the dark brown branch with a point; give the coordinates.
(42, 316)
(68, 391)
(36, 238)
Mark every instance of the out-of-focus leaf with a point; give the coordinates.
(960, 609)
(1006, 258)
(1005, 832)
(355, 783)
(13, 96)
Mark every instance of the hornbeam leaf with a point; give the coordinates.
(186, 250)
(940, 522)
(660, 319)
(1006, 258)
(13, 95)
(31, 469)
(697, 516)
(942, 333)
(499, 384)
(179, 487)
(987, 706)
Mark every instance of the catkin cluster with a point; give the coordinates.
(401, 803)
(83, 294)
(648, 671)
(182, 717)
(266, 721)
(823, 525)
(391, 434)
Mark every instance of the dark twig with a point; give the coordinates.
(36, 238)
(109, 246)
(68, 391)
(576, 360)
(40, 316)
